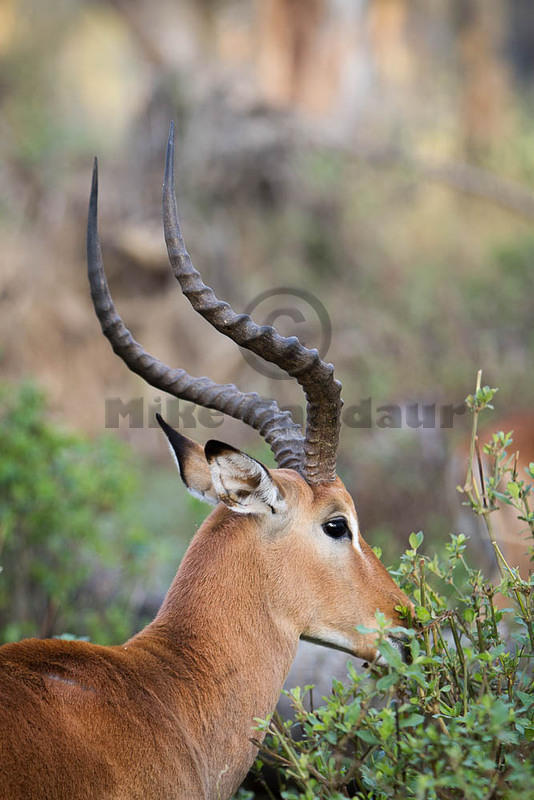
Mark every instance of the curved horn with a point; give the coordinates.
(277, 427)
(322, 390)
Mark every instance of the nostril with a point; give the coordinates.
(406, 652)
(402, 643)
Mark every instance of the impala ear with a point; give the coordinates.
(191, 462)
(220, 473)
(241, 482)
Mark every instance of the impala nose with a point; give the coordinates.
(402, 644)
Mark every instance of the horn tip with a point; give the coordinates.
(94, 178)
(168, 179)
(93, 205)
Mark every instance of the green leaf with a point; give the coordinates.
(416, 539)
(513, 489)
(422, 614)
(526, 699)
(411, 721)
(367, 736)
(391, 654)
(386, 681)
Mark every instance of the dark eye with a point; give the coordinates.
(337, 528)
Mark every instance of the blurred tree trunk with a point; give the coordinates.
(131, 16)
(288, 31)
(390, 51)
(484, 103)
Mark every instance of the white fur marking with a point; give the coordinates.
(173, 454)
(353, 524)
(334, 638)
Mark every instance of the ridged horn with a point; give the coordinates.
(322, 390)
(277, 427)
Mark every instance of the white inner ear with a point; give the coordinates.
(244, 484)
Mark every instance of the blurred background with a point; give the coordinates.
(378, 154)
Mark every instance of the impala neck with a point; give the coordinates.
(230, 643)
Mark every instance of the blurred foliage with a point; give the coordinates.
(73, 542)
(370, 201)
(502, 300)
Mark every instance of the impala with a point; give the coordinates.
(170, 713)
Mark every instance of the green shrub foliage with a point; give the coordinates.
(65, 540)
(458, 721)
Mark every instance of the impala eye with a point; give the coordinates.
(337, 528)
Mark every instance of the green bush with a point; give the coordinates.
(63, 521)
(458, 721)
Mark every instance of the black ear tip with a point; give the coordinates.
(179, 442)
(214, 448)
(180, 445)
(161, 422)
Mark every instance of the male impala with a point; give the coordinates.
(170, 713)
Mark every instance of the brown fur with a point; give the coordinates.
(170, 713)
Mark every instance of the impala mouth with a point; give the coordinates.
(342, 645)
(400, 643)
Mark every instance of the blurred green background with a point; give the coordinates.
(378, 154)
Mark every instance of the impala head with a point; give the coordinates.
(299, 520)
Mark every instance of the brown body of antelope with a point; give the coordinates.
(171, 713)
